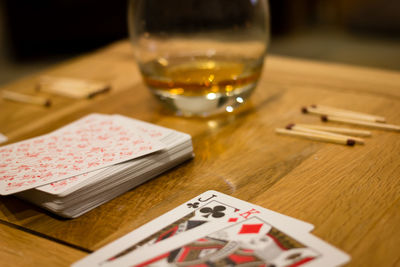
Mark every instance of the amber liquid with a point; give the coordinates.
(201, 86)
(199, 76)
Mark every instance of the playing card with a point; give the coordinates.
(64, 185)
(91, 143)
(152, 131)
(252, 242)
(211, 207)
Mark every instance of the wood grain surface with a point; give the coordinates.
(350, 194)
(21, 248)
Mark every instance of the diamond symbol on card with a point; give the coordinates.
(232, 219)
(250, 228)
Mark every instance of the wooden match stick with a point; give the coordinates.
(377, 125)
(346, 113)
(377, 118)
(71, 87)
(317, 137)
(340, 113)
(339, 130)
(295, 127)
(18, 97)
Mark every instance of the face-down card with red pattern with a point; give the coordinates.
(210, 209)
(93, 142)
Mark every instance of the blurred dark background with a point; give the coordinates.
(36, 34)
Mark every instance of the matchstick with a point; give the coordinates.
(18, 97)
(377, 125)
(317, 111)
(317, 137)
(341, 113)
(353, 132)
(377, 118)
(70, 87)
(295, 127)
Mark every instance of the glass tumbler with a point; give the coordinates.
(200, 57)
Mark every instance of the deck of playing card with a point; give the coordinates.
(214, 229)
(88, 162)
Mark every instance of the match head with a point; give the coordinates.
(290, 126)
(324, 118)
(47, 103)
(304, 110)
(350, 142)
(313, 106)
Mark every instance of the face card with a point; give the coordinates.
(211, 207)
(252, 242)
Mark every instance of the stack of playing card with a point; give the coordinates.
(214, 229)
(89, 162)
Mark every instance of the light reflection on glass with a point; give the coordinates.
(211, 96)
(239, 99)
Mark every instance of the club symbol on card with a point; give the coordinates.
(193, 205)
(216, 212)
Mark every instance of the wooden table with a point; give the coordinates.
(350, 194)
